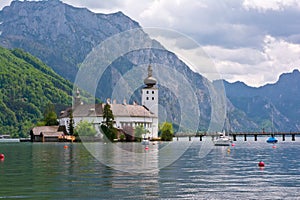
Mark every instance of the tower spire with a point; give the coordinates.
(150, 81)
(150, 98)
(150, 70)
(77, 99)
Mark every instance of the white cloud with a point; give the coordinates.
(270, 4)
(170, 13)
(256, 67)
(4, 3)
(248, 40)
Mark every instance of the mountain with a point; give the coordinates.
(58, 34)
(276, 102)
(26, 87)
(62, 36)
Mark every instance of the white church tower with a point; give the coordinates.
(150, 99)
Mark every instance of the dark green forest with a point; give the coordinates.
(27, 86)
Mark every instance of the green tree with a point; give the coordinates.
(166, 130)
(108, 116)
(122, 137)
(110, 133)
(50, 117)
(139, 132)
(71, 124)
(85, 128)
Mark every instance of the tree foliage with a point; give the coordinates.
(27, 86)
(84, 128)
(166, 130)
(50, 117)
(108, 116)
(110, 133)
(140, 132)
(71, 124)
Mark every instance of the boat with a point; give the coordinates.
(7, 138)
(145, 142)
(272, 140)
(222, 140)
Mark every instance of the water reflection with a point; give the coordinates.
(49, 171)
(137, 158)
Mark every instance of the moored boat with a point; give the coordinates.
(272, 139)
(7, 138)
(145, 142)
(222, 140)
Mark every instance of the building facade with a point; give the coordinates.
(125, 115)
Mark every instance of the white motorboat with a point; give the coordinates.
(222, 140)
(7, 138)
(145, 142)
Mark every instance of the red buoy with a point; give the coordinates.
(233, 144)
(146, 148)
(66, 146)
(2, 156)
(261, 164)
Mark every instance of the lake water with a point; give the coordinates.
(52, 171)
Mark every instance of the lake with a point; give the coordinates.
(98, 171)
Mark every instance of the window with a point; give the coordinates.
(147, 92)
(152, 98)
(152, 92)
(147, 98)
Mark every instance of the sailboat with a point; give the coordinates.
(272, 139)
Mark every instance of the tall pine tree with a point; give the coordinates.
(108, 116)
(71, 124)
(50, 117)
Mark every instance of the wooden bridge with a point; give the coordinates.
(234, 135)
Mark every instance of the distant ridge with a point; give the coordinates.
(280, 99)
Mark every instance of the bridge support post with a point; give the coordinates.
(283, 137)
(293, 137)
(245, 137)
(255, 137)
(200, 137)
(234, 137)
(190, 138)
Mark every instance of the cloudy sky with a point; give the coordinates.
(252, 41)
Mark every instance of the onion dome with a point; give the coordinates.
(150, 81)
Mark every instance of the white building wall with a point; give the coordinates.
(151, 124)
(150, 99)
(96, 121)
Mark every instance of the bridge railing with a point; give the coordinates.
(235, 134)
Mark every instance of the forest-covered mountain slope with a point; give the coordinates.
(26, 86)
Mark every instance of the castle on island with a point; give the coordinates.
(132, 115)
